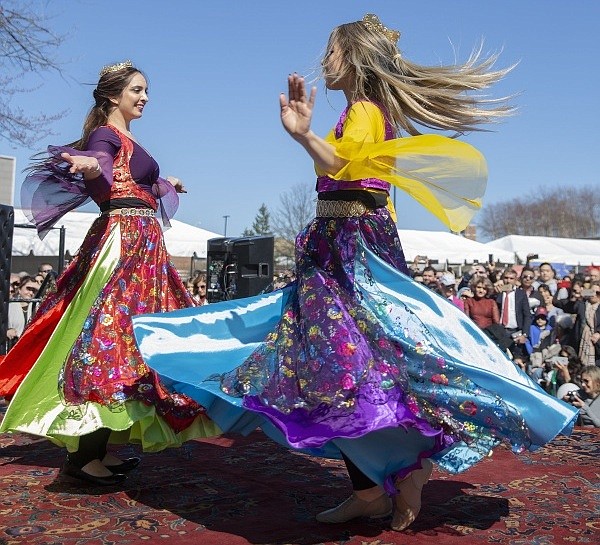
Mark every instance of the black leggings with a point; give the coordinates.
(359, 480)
(91, 447)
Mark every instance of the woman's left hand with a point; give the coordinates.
(177, 184)
(297, 107)
(575, 400)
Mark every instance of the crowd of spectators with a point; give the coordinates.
(548, 325)
(26, 290)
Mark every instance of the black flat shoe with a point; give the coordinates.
(73, 471)
(125, 465)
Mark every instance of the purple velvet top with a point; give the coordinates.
(144, 169)
(50, 190)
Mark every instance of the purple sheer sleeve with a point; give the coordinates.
(50, 190)
(168, 200)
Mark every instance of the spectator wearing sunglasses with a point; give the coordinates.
(20, 312)
(15, 281)
(515, 315)
(199, 290)
(44, 269)
(527, 279)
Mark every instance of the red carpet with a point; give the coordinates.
(236, 490)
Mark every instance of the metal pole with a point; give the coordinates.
(61, 249)
(225, 230)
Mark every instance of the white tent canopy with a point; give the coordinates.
(571, 251)
(445, 246)
(181, 240)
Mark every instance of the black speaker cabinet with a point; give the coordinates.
(7, 223)
(239, 267)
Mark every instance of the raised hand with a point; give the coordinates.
(297, 107)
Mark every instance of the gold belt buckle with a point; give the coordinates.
(340, 209)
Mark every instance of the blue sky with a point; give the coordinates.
(216, 70)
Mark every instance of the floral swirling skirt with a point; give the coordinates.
(84, 370)
(356, 357)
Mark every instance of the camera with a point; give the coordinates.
(516, 334)
(506, 287)
(588, 293)
(572, 396)
(559, 359)
(534, 256)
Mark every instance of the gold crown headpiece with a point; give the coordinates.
(116, 67)
(372, 22)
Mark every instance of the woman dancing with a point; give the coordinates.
(354, 357)
(76, 375)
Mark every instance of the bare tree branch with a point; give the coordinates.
(27, 46)
(297, 208)
(569, 212)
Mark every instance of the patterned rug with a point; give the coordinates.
(234, 490)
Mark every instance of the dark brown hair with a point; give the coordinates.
(110, 85)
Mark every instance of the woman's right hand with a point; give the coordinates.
(88, 166)
(563, 369)
(297, 107)
(574, 400)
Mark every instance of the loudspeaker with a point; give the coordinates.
(7, 223)
(239, 267)
(221, 270)
(254, 264)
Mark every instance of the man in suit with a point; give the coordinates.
(527, 279)
(515, 315)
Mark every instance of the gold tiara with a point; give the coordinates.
(115, 67)
(372, 22)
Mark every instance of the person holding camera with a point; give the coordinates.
(477, 271)
(587, 398)
(568, 367)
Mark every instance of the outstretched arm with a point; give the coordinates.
(177, 184)
(296, 117)
(88, 166)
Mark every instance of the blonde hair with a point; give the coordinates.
(432, 96)
(593, 373)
